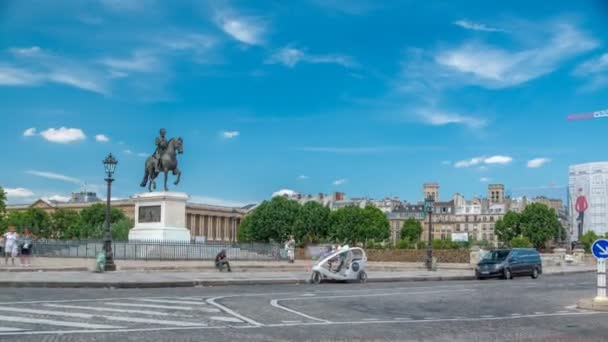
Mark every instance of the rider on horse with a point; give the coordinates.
(161, 145)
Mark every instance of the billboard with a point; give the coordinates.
(460, 237)
(588, 191)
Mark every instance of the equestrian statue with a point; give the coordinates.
(164, 160)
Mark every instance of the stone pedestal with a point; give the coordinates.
(160, 216)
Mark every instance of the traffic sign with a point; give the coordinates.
(600, 249)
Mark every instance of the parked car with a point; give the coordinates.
(508, 263)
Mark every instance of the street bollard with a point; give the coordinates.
(601, 281)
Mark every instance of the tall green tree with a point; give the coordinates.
(2, 202)
(540, 224)
(588, 239)
(36, 220)
(411, 230)
(271, 221)
(120, 229)
(312, 223)
(352, 224)
(93, 218)
(376, 226)
(66, 224)
(508, 227)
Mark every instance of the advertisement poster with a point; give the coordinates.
(588, 188)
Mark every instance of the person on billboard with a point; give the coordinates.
(581, 206)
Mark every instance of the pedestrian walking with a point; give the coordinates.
(26, 243)
(10, 244)
(290, 247)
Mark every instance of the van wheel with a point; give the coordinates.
(316, 278)
(362, 277)
(535, 273)
(507, 274)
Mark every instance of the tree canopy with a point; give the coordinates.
(312, 223)
(508, 227)
(411, 230)
(540, 224)
(271, 221)
(2, 202)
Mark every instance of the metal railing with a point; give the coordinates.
(159, 250)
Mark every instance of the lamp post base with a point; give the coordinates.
(110, 266)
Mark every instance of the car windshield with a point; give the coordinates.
(496, 255)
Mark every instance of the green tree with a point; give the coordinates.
(66, 224)
(411, 230)
(312, 223)
(2, 202)
(508, 227)
(540, 224)
(271, 221)
(588, 239)
(244, 233)
(520, 242)
(93, 218)
(120, 229)
(352, 224)
(35, 219)
(375, 227)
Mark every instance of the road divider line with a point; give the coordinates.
(18, 319)
(153, 306)
(6, 329)
(153, 321)
(171, 301)
(79, 307)
(212, 301)
(46, 312)
(275, 303)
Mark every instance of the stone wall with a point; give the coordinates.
(406, 255)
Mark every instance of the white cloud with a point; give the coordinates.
(440, 119)
(493, 160)
(18, 192)
(284, 192)
(230, 134)
(63, 135)
(537, 162)
(57, 198)
(339, 181)
(27, 51)
(469, 25)
(502, 160)
(290, 57)
(139, 61)
(14, 76)
(102, 138)
(52, 175)
(143, 154)
(303, 177)
(593, 65)
(127, 151)
(494, 67)
(484, 179)
(246, 29)
(30, 132)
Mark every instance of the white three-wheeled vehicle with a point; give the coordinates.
(345, 264)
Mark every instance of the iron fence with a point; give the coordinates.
(159, 250)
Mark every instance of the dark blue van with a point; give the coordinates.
(508, 263)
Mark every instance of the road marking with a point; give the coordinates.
(18, 319)
(275, 303)
(226, 319)
(516, 314)
(539, 313)
(212, 301)
(9, 329)
(563, 311)
(487, 316)
(154, 306)
(78, 307)
(375, 295)
(46, 312)
(153, 321)
(291, 322)
(403, 319)
(169, 301)
(67, 332)
(371, 319)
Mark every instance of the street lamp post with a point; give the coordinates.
(110, 165)
(429, 248)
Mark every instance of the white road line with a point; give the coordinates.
(516, 314)
(375, 295)
(18, 319)
(154, 321)
(487, 316)
(169, 301)
(212, 301)
(67, 332)
(226, 319)
(275, 303)
(403, 319)
(539, 313)
(46, 312)
(563, 311)
(371, 319)
(9, 329)
(78, 307)
(291, 322)
(154, 306)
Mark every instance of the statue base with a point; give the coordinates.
(160, 216)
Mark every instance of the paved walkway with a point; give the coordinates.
(134, 279)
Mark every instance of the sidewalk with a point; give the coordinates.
(131, 279)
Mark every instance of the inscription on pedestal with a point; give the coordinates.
(148, 214)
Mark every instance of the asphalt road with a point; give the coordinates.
(491, 310)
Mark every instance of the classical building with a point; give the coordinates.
(214, 223)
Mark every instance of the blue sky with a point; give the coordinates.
(365, 97)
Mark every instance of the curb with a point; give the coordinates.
(226, 282)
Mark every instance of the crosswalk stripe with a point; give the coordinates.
(18, 319)
(4, 329)
(78, 307)
(154, 306)
(154, 321)
(46, 312)
(167, 301)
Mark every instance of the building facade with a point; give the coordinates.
(588, 196)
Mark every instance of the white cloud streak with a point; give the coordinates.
(102, 138)
(63, 135)
(484, 179)
(340, 181)
(249, 30)
(537, 162)
(469, 25)
(230, 134)
(436, 118)
(290, 57)
(56, 176)
(18, 192)
(30, 132)
(492, 160)
(303, 177)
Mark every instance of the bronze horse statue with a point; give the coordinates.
(168, 162)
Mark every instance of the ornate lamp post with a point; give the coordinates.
(110, 165)
(429, 248)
